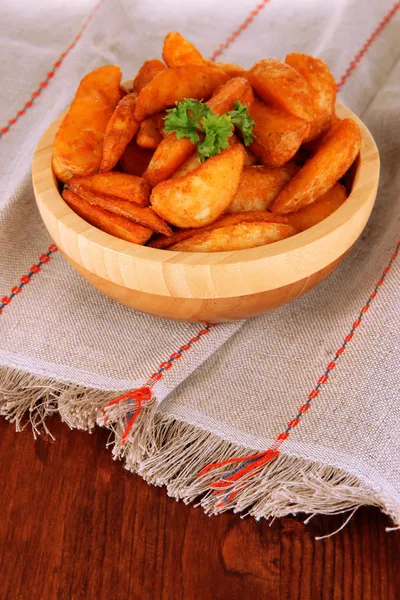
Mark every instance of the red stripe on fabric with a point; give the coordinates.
(44, 83)
(239, 30)
(375, 34)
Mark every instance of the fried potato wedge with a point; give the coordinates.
(236, 237)
(282, 87)
(142, 216)
(333, 158)
(78, 145)
(115, 225)
(230, 69)
(198, 198)
(164, 242)
(277, 136)
(120, 130)
(323, 88)
(147, 72)
(172, 152)
(115, 184)
(149, 134)
(317, 211)
(172, 85)
(260, 186)
(177, 51)
(135, 159)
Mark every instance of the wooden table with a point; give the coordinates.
(75, 525)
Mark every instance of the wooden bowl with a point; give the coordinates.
(220, 286)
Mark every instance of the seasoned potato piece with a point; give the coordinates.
(230, 68)
(331, 161)
(135, 159)
(320, 209)
(277, 136)
(172, 152)
(282, 87)
(177, 51)
(147, 72)
(163, 241)
(198, 198)
(323, 88)
(260, 186)
(236, 237)
(142, 216)
(78, 144)
(119, 185)
(313, 146)
(191, 81)
(193, 162)
(120, 130)
(115, 225)
(149, 134)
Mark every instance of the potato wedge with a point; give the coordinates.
(120, 130)
(149, 134)
(177, 51)
(282, 87)
(333, 158)
(135, 159)
(323, 88)
(146, 73)
(115, 225)
(317, 211)
(198, 198)
(260, 186)
(230, 69)
(78, 145)
(172, 152)
(236, 237)
(277, 136)
(164, 242)
(193, 162)
(142, 216)
(172, 85)
(118, 185)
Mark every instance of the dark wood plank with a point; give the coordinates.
(74, 525)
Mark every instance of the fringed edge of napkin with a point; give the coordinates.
(170, 453)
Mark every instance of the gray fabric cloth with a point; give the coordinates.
(242, 382)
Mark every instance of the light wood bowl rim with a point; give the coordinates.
(364, 187)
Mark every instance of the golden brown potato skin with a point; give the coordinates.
(236, 237)
(282, 87)
(198, 198)
(334, 156)
(120, 130)
(172, 152)
(277, 135)
(146, 73)
(78, 145)
(319, 210)
(149, 134)
(260, 186)
(163, 242)
(142, 216)
(119, 185)
(177, 51)
(174, 85)
(323, 88)
(135, 159)
(115, 225)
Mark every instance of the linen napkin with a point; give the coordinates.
(231, 390)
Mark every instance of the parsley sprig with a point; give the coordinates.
(194, 119)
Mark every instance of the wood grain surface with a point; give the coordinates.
(75, 526)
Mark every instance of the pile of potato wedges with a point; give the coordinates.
(123, 174)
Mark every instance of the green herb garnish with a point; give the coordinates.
(193, 119)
